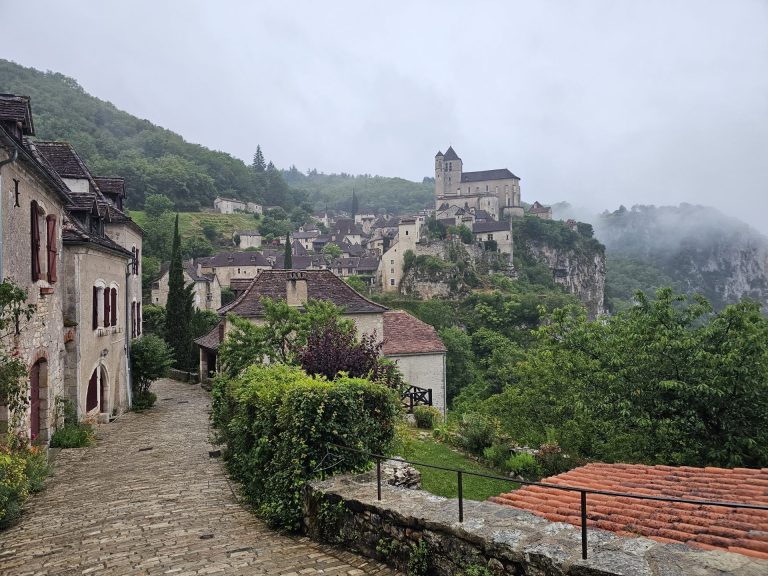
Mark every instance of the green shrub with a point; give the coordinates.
(418, 561)
(36, 468)
(553, 461)
(497, 454)
(277, 423)
(13, 487)
(77, 435)
(477, 432)
(524, 465)
(143, 401)
(427, 416)
(477, 570)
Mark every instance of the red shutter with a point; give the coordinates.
(95, 307)
(138, 260)
(138, 315)
(50, 220)
(106, 307)
(35, 233)
(133, 319)
(133, 262)
(114, 306)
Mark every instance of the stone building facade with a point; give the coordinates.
(495, 191)
(390, 272)
(206, 292)
(32, 208)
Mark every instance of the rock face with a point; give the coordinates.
(395, 472)
(580, 273)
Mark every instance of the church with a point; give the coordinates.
(497, 192)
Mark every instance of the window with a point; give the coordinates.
(35, 239)
(101, 305)
(52, 246)
(490, 236)
(391, 281)
(105, 296)
(406, 232)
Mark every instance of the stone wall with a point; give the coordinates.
(345, 511)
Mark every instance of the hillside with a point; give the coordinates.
(694, 249)
(376, 194)
(150, 158)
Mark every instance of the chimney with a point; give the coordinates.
(222, 326)
(296, 289)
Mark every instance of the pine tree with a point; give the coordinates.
(259, 165)
(354, 204)
(288, 260)
(178, 309)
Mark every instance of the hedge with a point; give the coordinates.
(277, 423)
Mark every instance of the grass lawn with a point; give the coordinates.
(190, 223)
(441, 483)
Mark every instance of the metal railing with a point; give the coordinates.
(379, 458)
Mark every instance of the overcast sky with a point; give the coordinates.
(593, 102)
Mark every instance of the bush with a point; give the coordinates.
(77, 435)
(150, 359)
(13, 487)
(278, 422)
(553, 461)
(524, 465)
(497, 454)
(427, 416)
(143, 401)
(36, 468)
(477, 432)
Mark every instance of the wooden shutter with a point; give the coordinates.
(138, 260)
(133, 319)
(50, 221)
(35, 240)
(138, 317)
(95, 307)
(106, 307)
(114, 306)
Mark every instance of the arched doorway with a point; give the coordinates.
(92, 398)
(98, 389)
(34, 397)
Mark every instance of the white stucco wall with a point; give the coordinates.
(425, 371)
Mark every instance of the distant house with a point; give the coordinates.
(414, 345)
(490, 233)
(232, 205)
(306, 238)
(247, 239)
(229, 265)
(540, 211)
(207, 290)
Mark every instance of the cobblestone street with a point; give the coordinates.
(148, 499)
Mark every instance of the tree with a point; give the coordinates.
(13, 371)
(179, 305)
(331, 251)
(158, 227)
(355, 206)
(150, 359)
(195, 247)
(259, 165)
(357, 283)
(288, 260)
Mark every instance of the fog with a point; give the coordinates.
(597, 103)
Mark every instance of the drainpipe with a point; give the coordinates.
(14, 156)
(128, 334)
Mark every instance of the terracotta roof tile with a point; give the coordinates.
(709, 527)
(406, 334)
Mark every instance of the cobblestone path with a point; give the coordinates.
(148, 499)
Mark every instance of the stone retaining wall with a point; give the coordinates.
(345, 511)
(182, 376)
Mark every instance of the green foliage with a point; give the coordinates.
(13, 371)
(477, 570)
(419, 560)
(497, 454)
(36, 469)
(463, 233)
(153, 320)
(278, 422)
(288, 258)
(332, 251)
(409, 259)
(77, 435)
(196, 247)
(150, 359)
(14, 488)
(227, 296)
(200, 323)
(477, 432)
(330, 522)
(158, 228)
(178, 310)
(143, 401)
(524, 465)
(151, 159)
(663, 382)
(624, 277)
(427, 416)
(358, 284)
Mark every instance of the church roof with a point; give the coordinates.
(498, 174)
(450, 154)
(439, 153)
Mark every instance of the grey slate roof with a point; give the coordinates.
(73, 233)
(450, 154)
(15, 108)
(481, 227)
(498, 174)
(235, 259)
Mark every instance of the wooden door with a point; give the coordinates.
(34, 392)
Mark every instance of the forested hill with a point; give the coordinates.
(150, 158)
(375, 194)
(692, 248)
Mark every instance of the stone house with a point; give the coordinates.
(232, 205)
(102, 280)
(487, 233)
(247, 239)
(414, 345)
(227, 266)
(32, 208)
(390, 271)
(495, 191)
(305, 238)
(540, 211)
(206, 291)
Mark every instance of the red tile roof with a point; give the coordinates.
(405, 334)
(710, 527)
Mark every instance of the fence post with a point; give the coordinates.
(378, 478)
(583, 525)
(461, 498)
(429, 396)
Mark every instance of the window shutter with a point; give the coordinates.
(138, 316)
(106, 307)
(35, 240)
(133, 319)
(50, 221)
(114, 306)
(95, 307)
(138, 260)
